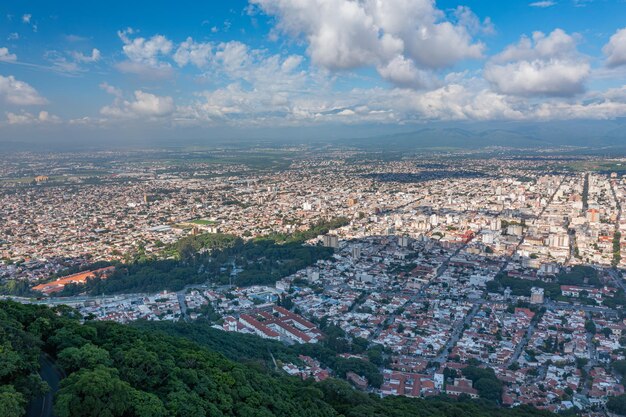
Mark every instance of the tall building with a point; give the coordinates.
(403, 241)
(558, 240)
(495, 224)
(331, 241)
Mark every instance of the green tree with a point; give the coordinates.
(87, 356)
(97, 392)
(617, 404)
(11, 402)
(620, 367)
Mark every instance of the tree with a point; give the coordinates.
(620, 367)
(590, 326)
(485, 381)
(187, 376)
(185, 404)
(489, 389)
(147, 405)
(97, 392)
(11, 402)
(617, 404)
(359, 345)
(87, 356)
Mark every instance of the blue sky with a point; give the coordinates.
(287, 63)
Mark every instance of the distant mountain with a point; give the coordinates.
(587, 134)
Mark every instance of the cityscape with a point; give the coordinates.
(313, 208)
(510, 263)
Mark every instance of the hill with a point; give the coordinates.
(116, 370)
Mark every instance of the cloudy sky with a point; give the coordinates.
(291, 63)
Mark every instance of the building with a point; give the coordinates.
(78, 278)
(593, 216)
(536, 295)
(462, 386)
(331, 241)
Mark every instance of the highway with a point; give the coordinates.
(42, 406)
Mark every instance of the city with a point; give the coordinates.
(313, 208)
(434, 269)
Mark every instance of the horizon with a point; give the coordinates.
(206, 71)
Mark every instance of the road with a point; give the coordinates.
(592, 360)
(183, 305)
(456, 334)
(42, 406)
(522, 343)
(420, 295)
(614, 272)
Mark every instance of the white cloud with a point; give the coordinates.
(144, 55)
(341, 34)
(543, 4)
(467, 18)
(26, 18)
(80, 57)
(610, 104)
(75, 38)
(18, 92)
(145, 51)
(345, 34)
(197, 53)
(403, 72)
(6, 56)
(111, 89)
(272, 83)
(25, 118)
(71, 62)
(544, 66)
(144, 105)
(615, 49)
(13, 36)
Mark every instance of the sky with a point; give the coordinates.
(75, 67)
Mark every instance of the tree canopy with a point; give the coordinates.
(119, 370)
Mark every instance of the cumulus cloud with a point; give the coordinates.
(394, 35)
(199, 54)
(144, 105)
(403, 72)
(145, 55)
(544, 65)
(6, 56)
(605, 105)
(111, 89)
(94, 56)
(259, 85)
(18, 92)
(615, 49)
(72, 62)
(25, 118)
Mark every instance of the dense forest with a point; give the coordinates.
(220, 258)
(116, 370)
